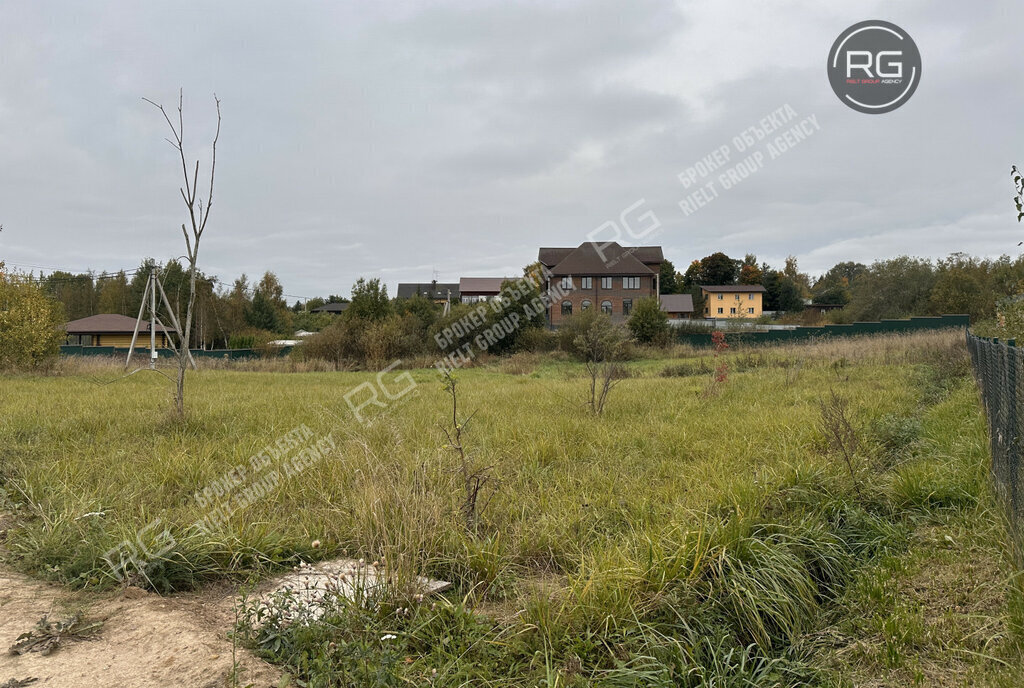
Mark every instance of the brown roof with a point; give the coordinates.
(108, 323)
(553, 256)
(432, 290)
(677, 303)
(332, 307)
(482, 285)
(648, 255)
(591, 258)
(732, 288)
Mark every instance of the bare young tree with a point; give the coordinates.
(477, 480)
(840, 433)
(600, 343)
(198, 214)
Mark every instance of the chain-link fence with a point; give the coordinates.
(999, 369)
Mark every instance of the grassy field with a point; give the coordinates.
(696, 533)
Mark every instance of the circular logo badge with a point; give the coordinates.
(874, 67)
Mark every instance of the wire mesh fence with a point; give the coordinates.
(998, 368)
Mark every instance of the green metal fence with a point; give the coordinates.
(143, 353)
(804, 333)
(997, 368)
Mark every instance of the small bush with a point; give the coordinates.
(896, 435)
(688, 369)
(536, 340)
(648, 323)
(927, 486)
(521, 363)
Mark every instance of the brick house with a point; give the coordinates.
(596, 275)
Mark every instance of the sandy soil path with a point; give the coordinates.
(146, 640)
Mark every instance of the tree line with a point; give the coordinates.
(227, 315)
(891, 288)
(244, 313)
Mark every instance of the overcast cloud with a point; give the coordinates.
(393, 140)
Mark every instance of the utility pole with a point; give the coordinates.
(152, 319)
(149, 295)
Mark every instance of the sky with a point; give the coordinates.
(411, 140)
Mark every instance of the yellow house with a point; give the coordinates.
(733, 300)
(108, 329)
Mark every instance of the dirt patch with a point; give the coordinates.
(305, 594)
(146, 640)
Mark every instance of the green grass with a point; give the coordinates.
(691, 535)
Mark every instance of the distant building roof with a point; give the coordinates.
(592, 258)
(331, 308)
(677, 303)
(551, 257)
(109, 323)
(482, 285)
(432, 290)
(732, 288)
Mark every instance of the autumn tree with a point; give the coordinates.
(750, 273)
(716, 269)
(369, 300)
(269, 311)
(30, 322)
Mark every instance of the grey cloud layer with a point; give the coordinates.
(391, 141)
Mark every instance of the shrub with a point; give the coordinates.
(30, 322)
(242, 341)
(648, 323)
(536, 340)
(896, 435)
(251, 338)
(337, 343)
(599, 344)
(688, 369)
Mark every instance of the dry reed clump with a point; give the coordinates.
(522, 363)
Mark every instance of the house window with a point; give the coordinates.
(750, 310)
(750, 297)
(720, 311)
(630, 282)
(79, 340)
(721, 296)
(627, 306)
(606, 307)
(586, 282)
(732, 311)
(737, 297)
(585, 305)
(567, 308)
(566, 283)
(606, 282)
